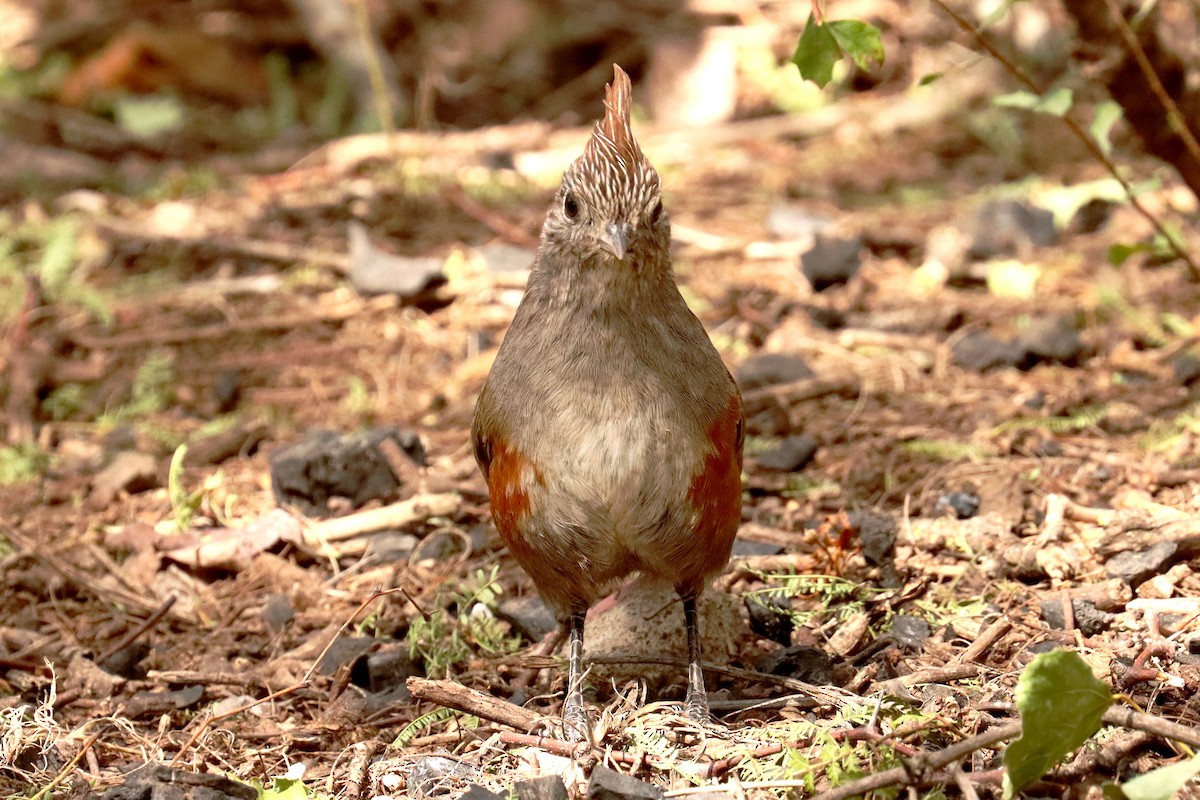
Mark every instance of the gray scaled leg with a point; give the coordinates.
(575, 720)
(696, 705)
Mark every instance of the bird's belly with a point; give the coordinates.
(621, 477)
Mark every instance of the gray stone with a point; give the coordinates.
(129, 471)
(608, 784)
(374, 271)
(1009, 227)
(1137, 567)
(831, 261)
(980, 351)
(529, 615)
(1052, 339)
(507, 257)
(791, 221)
(547, 787)
(769, 369)
(788, 455)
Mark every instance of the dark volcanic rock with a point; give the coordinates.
(788, 455)
(608, 784)
(770, 617)
(831, 261)
(980, 351)
(1008, 227)
(1052, 339)
(327, 464)
(802, 662)
(768, 369)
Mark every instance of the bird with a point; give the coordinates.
(609, 430)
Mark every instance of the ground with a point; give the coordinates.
(223, 307)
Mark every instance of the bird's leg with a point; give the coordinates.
(696, 705)
(575, 721)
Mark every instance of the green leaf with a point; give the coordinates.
(1061, 704)
(1057, 102)
(147, 117)
(59, 255)
(1161, 783)
(1106, 115)
(816, 53)
(1021, 99)
(1065, 201)
(930, 77)
(180, 499)
(859, 40)
(1118, 254)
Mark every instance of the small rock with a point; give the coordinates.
(120, 438)
(1048, 448)
(547, 787)
(385, 670)
(770, 617)
(1186, 368)
(961, 505)
(128, 472)
(1091, 216)
(477, 792)
(374, 271)
(1045, 646)
(435, 776)
(802, 662)
(127, 662)
(326, 464)
(877, 533)
(831, 261)
(1088, 619)
(162, 782)
(242, 439)
(980, 351)
(503, 257)
(278, 612)
(910, 632)
(789, 455)
(752, 547)
(769, 369)
(344, 650)
(1009, 227)
(790, 221)
(227, 391)
(529, 615)
(645, 621)
(831, 319)
(391, 546)
(1193, 645)
(1052, 339)
(608, 784)
(1135, 567)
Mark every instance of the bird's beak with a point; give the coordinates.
(615, 239)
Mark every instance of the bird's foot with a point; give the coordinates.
(576, 726)
(696, 707)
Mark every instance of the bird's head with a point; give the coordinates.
(610, 201)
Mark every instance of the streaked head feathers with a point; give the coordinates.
(612, 168)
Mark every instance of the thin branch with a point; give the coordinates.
(908, 774)
(1081, 134)
(1175, 117)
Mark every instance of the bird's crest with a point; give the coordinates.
(612, 141)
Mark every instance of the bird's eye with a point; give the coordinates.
(656, 212)
(570, 206)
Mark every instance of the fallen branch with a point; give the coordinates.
(397, 515)
(450, 694)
